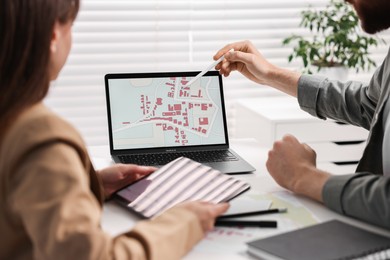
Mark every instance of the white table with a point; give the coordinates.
(116, 219)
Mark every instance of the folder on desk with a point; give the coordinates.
(328, 240)
(178, 181)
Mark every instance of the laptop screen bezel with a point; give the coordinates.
(168, 148)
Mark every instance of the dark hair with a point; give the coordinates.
(26, 29)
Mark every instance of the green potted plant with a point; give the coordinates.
(336, 40)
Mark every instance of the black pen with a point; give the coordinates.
(254, 213)
(247, 223)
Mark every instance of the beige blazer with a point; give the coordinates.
(51, 201)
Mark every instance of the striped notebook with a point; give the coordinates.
(178, 181)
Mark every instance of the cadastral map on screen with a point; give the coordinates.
(160, 112)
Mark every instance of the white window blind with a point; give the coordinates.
(163, 35)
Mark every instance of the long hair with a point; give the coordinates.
(26, 30)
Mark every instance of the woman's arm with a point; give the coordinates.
(52, 198)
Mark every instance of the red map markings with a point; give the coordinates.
(176, 111)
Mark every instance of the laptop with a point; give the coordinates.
(154, 118)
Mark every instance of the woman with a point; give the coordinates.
(51, 197)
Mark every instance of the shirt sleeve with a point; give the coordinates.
(51, 196)
(364, 196)
(350, 102)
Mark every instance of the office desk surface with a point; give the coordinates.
(229, 243)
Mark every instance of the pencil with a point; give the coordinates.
(247, 223)
(254, 213)
(210, 67)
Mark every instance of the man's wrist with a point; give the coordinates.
(284, 80)
(312, 183)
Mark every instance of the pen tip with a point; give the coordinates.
(188, 83)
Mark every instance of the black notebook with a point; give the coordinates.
(328, 240)
(178, 181)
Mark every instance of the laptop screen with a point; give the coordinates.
(157, 110)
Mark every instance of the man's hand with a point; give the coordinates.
(250, 62)
(293, 166)
(120, 175)
(246, 59)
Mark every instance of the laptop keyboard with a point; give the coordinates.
(164, 158)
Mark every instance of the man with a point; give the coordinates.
(366, 194)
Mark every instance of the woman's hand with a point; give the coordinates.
(120, 175)
(206, 212)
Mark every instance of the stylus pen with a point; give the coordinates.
(254, 213)
(210, 67)
(247, 223)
